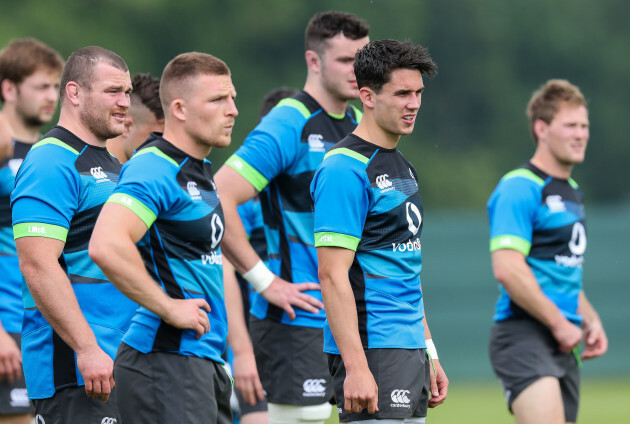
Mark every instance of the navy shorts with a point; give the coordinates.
(13, 397)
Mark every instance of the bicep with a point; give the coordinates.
(36, 253)
(334, 261)
(118, 222)
(233, 188)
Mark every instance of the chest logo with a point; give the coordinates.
(194, 192)
(382, 182)
(98, 173)
(413, 212)
(315, 143)
(555, 203)
(217, 230)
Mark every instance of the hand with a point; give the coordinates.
(360, 391)
(97, 369)
(568, 335)
(595, 340)
(10, 358)
(246, 377)
(439, 384)
(189, 314)
(284, 294)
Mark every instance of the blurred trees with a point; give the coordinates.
(472, 128)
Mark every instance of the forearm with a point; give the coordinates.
(586, 310)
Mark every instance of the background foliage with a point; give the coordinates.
(472, 128)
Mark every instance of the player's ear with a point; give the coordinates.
(9, 90)
(178, 109)
(540, 127)
(73, 92)
(313, 61)
(367, 96)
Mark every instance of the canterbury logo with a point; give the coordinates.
(400, 396)
(382, 182)
(193, 190)
(314, 386)
(97, 172)
(109, 420)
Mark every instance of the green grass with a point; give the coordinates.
(602, 401)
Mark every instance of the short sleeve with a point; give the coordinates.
(512, 210)
(46, 194)
(341, 197)
(145, 187)
(271, 148)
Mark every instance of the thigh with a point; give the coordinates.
(72, 405)
(540, 402)
(291, 363)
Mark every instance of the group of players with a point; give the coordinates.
(127, 298)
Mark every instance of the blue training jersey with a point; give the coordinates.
(377, 213)
(175, 196)
(59, 192)
(543, 218)
(11, 309)
(281, 154)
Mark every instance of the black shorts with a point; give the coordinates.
(72, 406)
(403, 380)
(523, 351)
(245, 408)
(291, 363)
(162, 387)
(13, 396)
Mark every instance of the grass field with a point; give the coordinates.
(602, 401)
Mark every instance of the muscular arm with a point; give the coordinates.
(595, 340)
(360, 389)
(113, 249)
(246, 376)
(234, 190)
(511, 270)
(55, 299)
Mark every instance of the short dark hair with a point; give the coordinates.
(146, 88)
(374, 63)
(326, 25)
(23, 56)
(81, 64)
(273, 97)
(185, 66)
(549, 98)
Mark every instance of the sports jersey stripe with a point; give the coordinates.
(336, 240)
(573, 184)
(56, 142)
(168, 338)
(255, 178)
(524, 173)
(296, 104)
(157, 152)
(510, 242)
(64, 367)
(347, 152)
(358, 114)
(39, 229)
(134, 205)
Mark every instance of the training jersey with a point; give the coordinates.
(281, 154)
(377, 213)
(175, 196)
(11, 309)
(543, 218)
(59, 192)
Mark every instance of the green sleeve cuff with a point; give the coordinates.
(136, 206)
(255, 178)
(510, 242)
(38, 229)
(336, 240)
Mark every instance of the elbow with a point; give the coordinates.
(98, 252)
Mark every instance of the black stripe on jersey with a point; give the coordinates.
(64, 368)
(546, 244)
(5, 211)
(258, 242)
(168, 338)
(82, 224)
(358, 288)
(294, 197)
(78, 279)
(274, 312)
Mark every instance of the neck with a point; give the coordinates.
(117, 148)
(180, 139)
(74, 125)
(370, 131)
(21, 131)
(331, 104)
(551, 166)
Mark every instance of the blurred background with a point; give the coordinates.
(472, 127)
